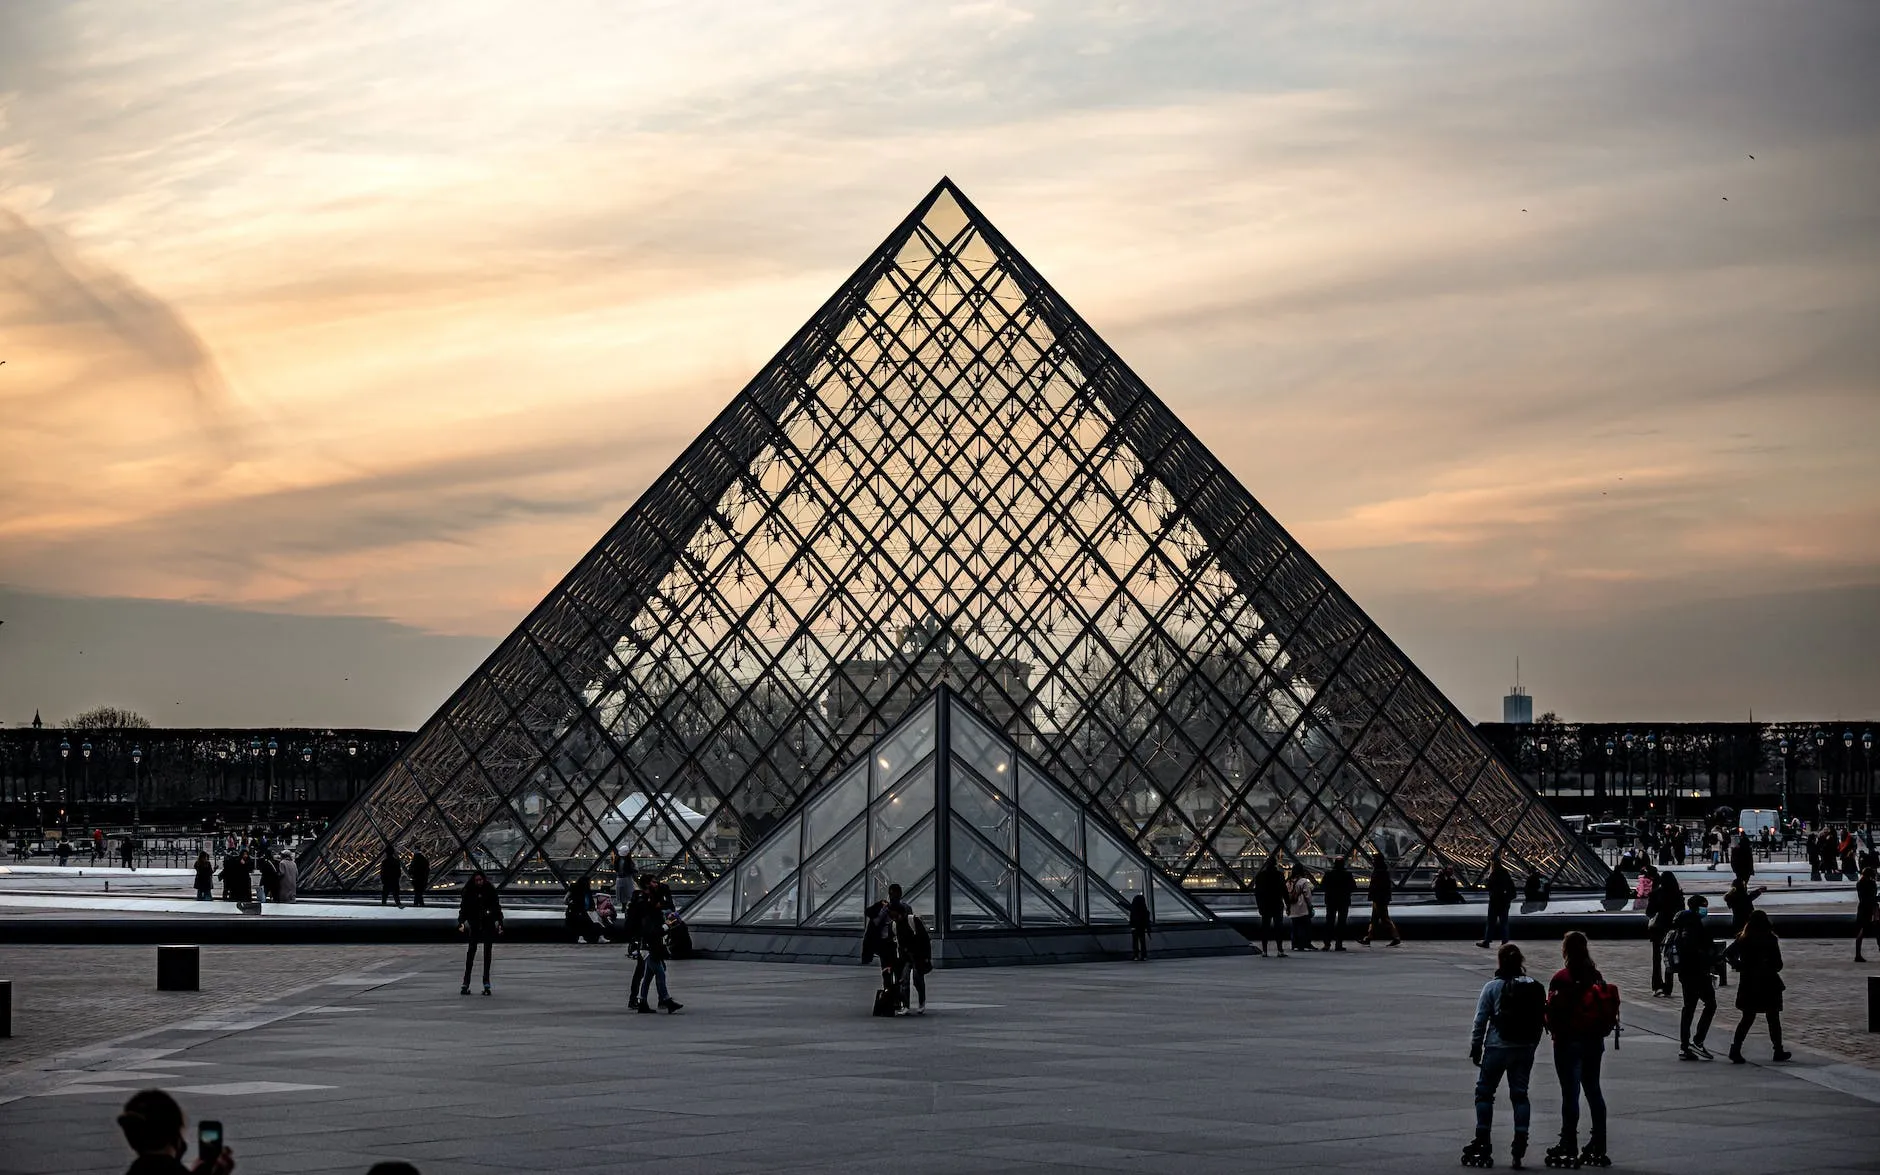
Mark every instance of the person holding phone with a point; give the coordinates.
(479, 915)
(153, 1124)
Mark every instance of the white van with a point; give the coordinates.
(1754, 820)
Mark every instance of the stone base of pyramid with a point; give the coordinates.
(973, 949)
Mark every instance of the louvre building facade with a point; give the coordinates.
(945, 478)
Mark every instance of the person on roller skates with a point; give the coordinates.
(1510, 1016)
(1582, 1010)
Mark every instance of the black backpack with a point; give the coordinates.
(1520, 1011)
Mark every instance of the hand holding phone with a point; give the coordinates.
(213, 1155)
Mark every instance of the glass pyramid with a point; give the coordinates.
(946, 477)
(985, 845)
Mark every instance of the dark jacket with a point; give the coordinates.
(205, 875)
(1269, 892)
(420, 870)
(1380, 889)
(1742, 857)
(1139, 913)
(480, 909)
(1759, 983)
(1338, 885)
(1866, 892)
(646, 923)
(389, 868)
(1696, 949)
(1501, 889)
(1664, 904)
(157, 1165)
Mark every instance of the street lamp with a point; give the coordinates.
(1543, 766)
(254, 758)
(352, 752)
(1821, 783)
(1782, 805)
(273, 749)
(84, 786)
(1847, 769)
(1628, 774)
(137, 788)
(65, 753)
(1651, 745)
(1866, 756)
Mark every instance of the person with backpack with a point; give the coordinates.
(1138, 930)
(1338, 885)
(1692, 957)
(646, 922)
(883, 940)
(1582, 1010)
(1379, 893)
(920, 959)
(1299, 908)
(1510, 1016)
(1757, 956)
(1501, 891)
(1269, 897)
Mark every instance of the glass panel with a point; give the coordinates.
(780, 907)
(970, 914)
(897, 811)
(1044, 802)
(1116, 866)
(1101, 907)
(831, 811)
(834, 868)
(906, 865)
(988, 754)
(714, 907)
(908, 745)
(845, 909)
(1039, 910)
(1171, 905)
(767, 866)
(991, 871)
(990, 814)
(921, 901)
(1045, 864)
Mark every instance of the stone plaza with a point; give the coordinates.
(332, 1058)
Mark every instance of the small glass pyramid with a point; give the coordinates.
(982, 841)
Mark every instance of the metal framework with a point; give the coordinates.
(946, 477)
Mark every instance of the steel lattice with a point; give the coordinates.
(946, 477)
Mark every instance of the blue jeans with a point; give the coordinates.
(1517, 1061)
(1497, 928)
(1576, 1063)
(655, 970)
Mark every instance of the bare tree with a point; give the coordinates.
(107, 718)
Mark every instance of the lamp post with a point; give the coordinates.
(1542, 762)
(1606, 779)
(306, 769)
(1866, 799)
(65, 754)
(1821, 781)
(273, 749)
(84, 785)
(254, 767)
(1628, 774)
(137, 788)
(1651, 746)
(1847, 772)
(352, 752)
(1782, 801)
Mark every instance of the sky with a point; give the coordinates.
(334, 334)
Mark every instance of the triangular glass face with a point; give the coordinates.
(947, 477)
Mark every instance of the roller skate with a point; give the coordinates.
(1518, 1150)
(1565, 1154)
(1595, 1154)
(1478, 1153)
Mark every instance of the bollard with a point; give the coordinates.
(179, 968)
(6, 1008)
(1873, 1003)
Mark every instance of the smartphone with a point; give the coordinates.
(208, 1141)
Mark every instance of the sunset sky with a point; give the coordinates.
(334, 334)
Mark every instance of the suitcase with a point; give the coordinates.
(884, 1002)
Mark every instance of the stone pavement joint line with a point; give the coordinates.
(1350, 1061)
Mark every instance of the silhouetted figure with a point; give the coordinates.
(1139, 929)
(420, 870)
(389, 871)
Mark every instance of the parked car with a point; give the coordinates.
(1616, 831)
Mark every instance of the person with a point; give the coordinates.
(1695, 964)
(1741, 900)
(1619, 892)
(1811, 845)
(647, 923)
(1757, 956)
(1269, 898)
(1379, 893)
(1299, 908)
(1509, 1020)
(479, 916)
(631, 920)
(1501, 890)
(97, 845)
(1338, 885)
(288, 879)
(65, 852)
(1448, 887)
(1743, 859)
(625, 881)
(270, 876)
(153, 1124)
(1533, 892)
(127, 852)
(920, 959)
(1713, 847)
(1581, 1011)
(1139, 929)
(1662, 907)
(1866, 910)
(420, 871)
(579, 901)
(205, 876)
(389, 870)
(1680, 840)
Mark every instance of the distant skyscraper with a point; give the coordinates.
(1517, 706)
